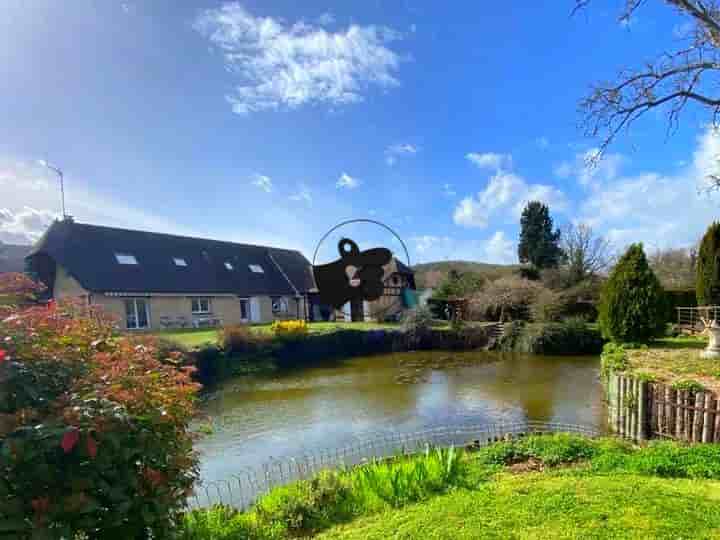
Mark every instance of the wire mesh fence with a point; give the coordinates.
(243, 488)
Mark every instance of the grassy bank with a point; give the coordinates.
(192, 337)
(675, 361)
(557, 486)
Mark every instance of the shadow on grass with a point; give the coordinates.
(679, 343)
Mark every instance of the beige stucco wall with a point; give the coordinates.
(67, 286)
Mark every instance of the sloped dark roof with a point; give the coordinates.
(403, 268)
(12, 257)
(87, 252)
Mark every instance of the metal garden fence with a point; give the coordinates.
(243, 488)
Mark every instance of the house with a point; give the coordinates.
(399, 281)
(152, 281)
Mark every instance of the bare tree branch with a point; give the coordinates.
(676, 79)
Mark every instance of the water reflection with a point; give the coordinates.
(289, 413)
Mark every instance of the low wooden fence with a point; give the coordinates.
(642, 410)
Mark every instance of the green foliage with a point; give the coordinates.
(632, 302)
(459, 285)
(94, 431)
(539, 244)
(613, 359)
(571, 336)
(688, 385)
(239, 339)
(551, 450)
(707, 276)
(304, 508)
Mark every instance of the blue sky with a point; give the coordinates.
(270, 121)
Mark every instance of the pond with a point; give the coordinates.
(293, 412)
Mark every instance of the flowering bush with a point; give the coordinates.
(290, 329)
(93, 429)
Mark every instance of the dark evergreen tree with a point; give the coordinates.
(632, 303)
(539, 244)
(707, 268)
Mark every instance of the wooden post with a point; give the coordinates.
(678, 414)
(707, 419)
(669, 427)
(612, 401)
(717, 419)
(620, 402)
(642, 421)
(633, 408)
(687, 416)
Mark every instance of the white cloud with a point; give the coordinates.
(303, 195)
(348, 182)
(289, 65)
(499, 249)
(30, 198)
(326, 19)
(542, 143)
(393, 152)
(263, 182)
(494, 249)
(490, 160)
(586, 168)
(503, 199)
(24, 226)
(662, 210)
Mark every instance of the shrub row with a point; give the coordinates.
(572, 336)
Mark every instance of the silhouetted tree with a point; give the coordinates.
(707, 284)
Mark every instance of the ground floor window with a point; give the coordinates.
(137, 313)
(201, 305)
(279, 305)
(245, 309)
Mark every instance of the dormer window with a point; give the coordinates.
(256, 268)
(228, 265)
(179, 262)
(125, 258)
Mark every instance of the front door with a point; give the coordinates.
(244, 309)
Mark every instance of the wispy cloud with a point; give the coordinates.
(496, 248)
(490, 160)
(263, 182)
(393, 152)
(303, 195)
(326, 19)
(448, 190)
(24, 226)
(285, 65)
(543, 143)
(347, 182)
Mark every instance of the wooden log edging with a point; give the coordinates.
(640, 410)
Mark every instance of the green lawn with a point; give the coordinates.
(542, 505)
(198, 337)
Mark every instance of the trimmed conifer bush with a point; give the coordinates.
(707, 283)
(632, 302)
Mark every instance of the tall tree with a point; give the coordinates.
(684, 73)
(586, 254)
(707, 284)
(539, 244)
(632, 306)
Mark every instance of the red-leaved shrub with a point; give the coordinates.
(94, 432)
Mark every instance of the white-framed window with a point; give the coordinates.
(228, 265)
(125, 258)
(200, 305)
(256, 268)
(137, 313)
(245, 309)
(179, 261)
(279, 304)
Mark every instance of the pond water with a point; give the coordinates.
(292, 412)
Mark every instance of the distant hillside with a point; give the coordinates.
(12, 258)
(431, 274)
